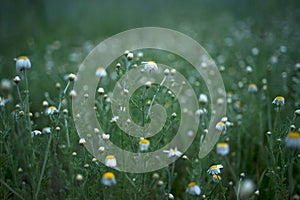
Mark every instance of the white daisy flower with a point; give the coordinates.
(144, 144)
(222, 148)
(193, 188)
(279, 101)
(215, 169)
(150, 66)
(109, 179)
(173, 152)
(110, 161)
(101, 72)
(22, 62)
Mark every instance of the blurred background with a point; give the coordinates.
(57, 35)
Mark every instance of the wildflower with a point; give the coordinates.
(255, 51)
(6, 85)
(105, 136)
(203, 98)
(173, 152)
(17, 79)
(222, 148)
(148, 84)
(35, 132)
(252, 88)
(292, 139)
(73, 94)
(216, 178)
(171, 196)
(297, 112)
(201, 111)
(46, 130)
(129, 56)
(101, 72)
(247, 189)
(82, 141)
(72, 77)
(279, 101)
(166, 72)
(193, 188)
(110, 161)
(109, 179)
(100, 91)
(215, 169)
(22, 62)
(221, 126)
(114, 119)
(79, 177)
(144, 144)
(150, 65)
(3, 101)
(51, 110)
(101, 149)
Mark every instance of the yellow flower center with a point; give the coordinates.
(22, 58)
(214, 167)
(151, 61)
(217, 177)
(109, 175)
(110, 157)
(294, 134)
(52, 107)
(221, 123)
(252, 85)
(279, 98)
(144, 141)
(192, 184)
(222, 144)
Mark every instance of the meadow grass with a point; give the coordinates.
(42, 156)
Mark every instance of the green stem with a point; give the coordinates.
(43, 167)
(154, 96)
(11, 189)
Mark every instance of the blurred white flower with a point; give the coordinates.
(173, 152)
(22, 62)
(101, 72)
(150, 66)
(144, 144)
(109, 179)
(193, 188)
(110, 161)
(222, 148)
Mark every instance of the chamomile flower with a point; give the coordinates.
(82, 141)
(109, 179)
(193, 188)
(279, 101)
(222, 148)
(51, 110)
(35, 132)
(216, 178)
(144, 144)
(150, 66)
(22, 62)
(252, 88)
(203, 98)
(46, 130)
(292, 139)
(221, 126)
(173, 152)
(3, 101)
(110, 161)
(215, 169)
(101, 72)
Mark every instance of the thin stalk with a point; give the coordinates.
(26, 106)
(154, 96)
(43, 167)
(67, 131)
(11, 189)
